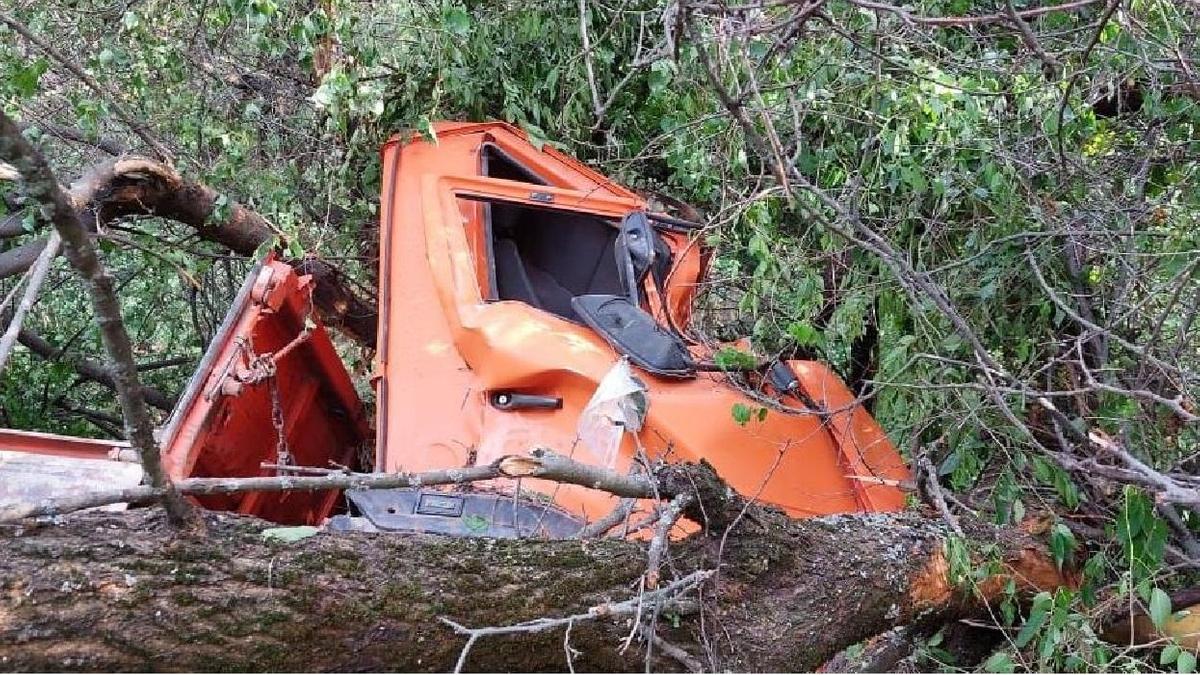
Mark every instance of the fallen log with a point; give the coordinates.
(104, 591)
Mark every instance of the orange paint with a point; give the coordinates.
(444, 346)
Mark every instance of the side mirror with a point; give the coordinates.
(634, 333)
(635, 252)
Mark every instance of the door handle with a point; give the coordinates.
(511, 400)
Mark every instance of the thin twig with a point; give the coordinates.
(540, 463)
(615, 517)
(1066, 96)
(137, 127)
(662, 534)
(946, 21)
(1030, 40)
(604, 611)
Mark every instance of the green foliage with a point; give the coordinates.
(1141, 534)
(1159, 607)
(742, 413)
(734, 359)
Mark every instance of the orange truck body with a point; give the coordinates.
(483, 351)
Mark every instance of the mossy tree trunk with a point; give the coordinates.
(121, 591)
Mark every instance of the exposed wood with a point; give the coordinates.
(121, 592)
(337, 304)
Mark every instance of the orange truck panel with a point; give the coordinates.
(446, 348)
(227, 423)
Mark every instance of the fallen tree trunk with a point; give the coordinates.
(105, 591)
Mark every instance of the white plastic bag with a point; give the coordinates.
(619, 404)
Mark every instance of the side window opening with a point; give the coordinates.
(496, 163)
(544, 257)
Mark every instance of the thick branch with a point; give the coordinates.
(136, 186)
(18, 259)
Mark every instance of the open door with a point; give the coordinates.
(270, 390)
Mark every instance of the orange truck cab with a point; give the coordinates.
(526, 301)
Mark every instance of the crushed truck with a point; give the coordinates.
(525, 301)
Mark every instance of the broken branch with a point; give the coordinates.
(138, 186)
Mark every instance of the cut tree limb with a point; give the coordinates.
(104, 591)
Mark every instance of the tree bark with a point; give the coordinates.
(121, 591)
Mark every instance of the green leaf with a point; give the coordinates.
(456, 21)
(476, 523)
(289, 535)
(1168, 655)
(949, 464)
(741, 413)
(1037, 617)
(1186, 663)
(734, 359)
(660, 76)
(25, 80)
(1062, 543)
(804, 334)
(1160, 607)
(1000, 662)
